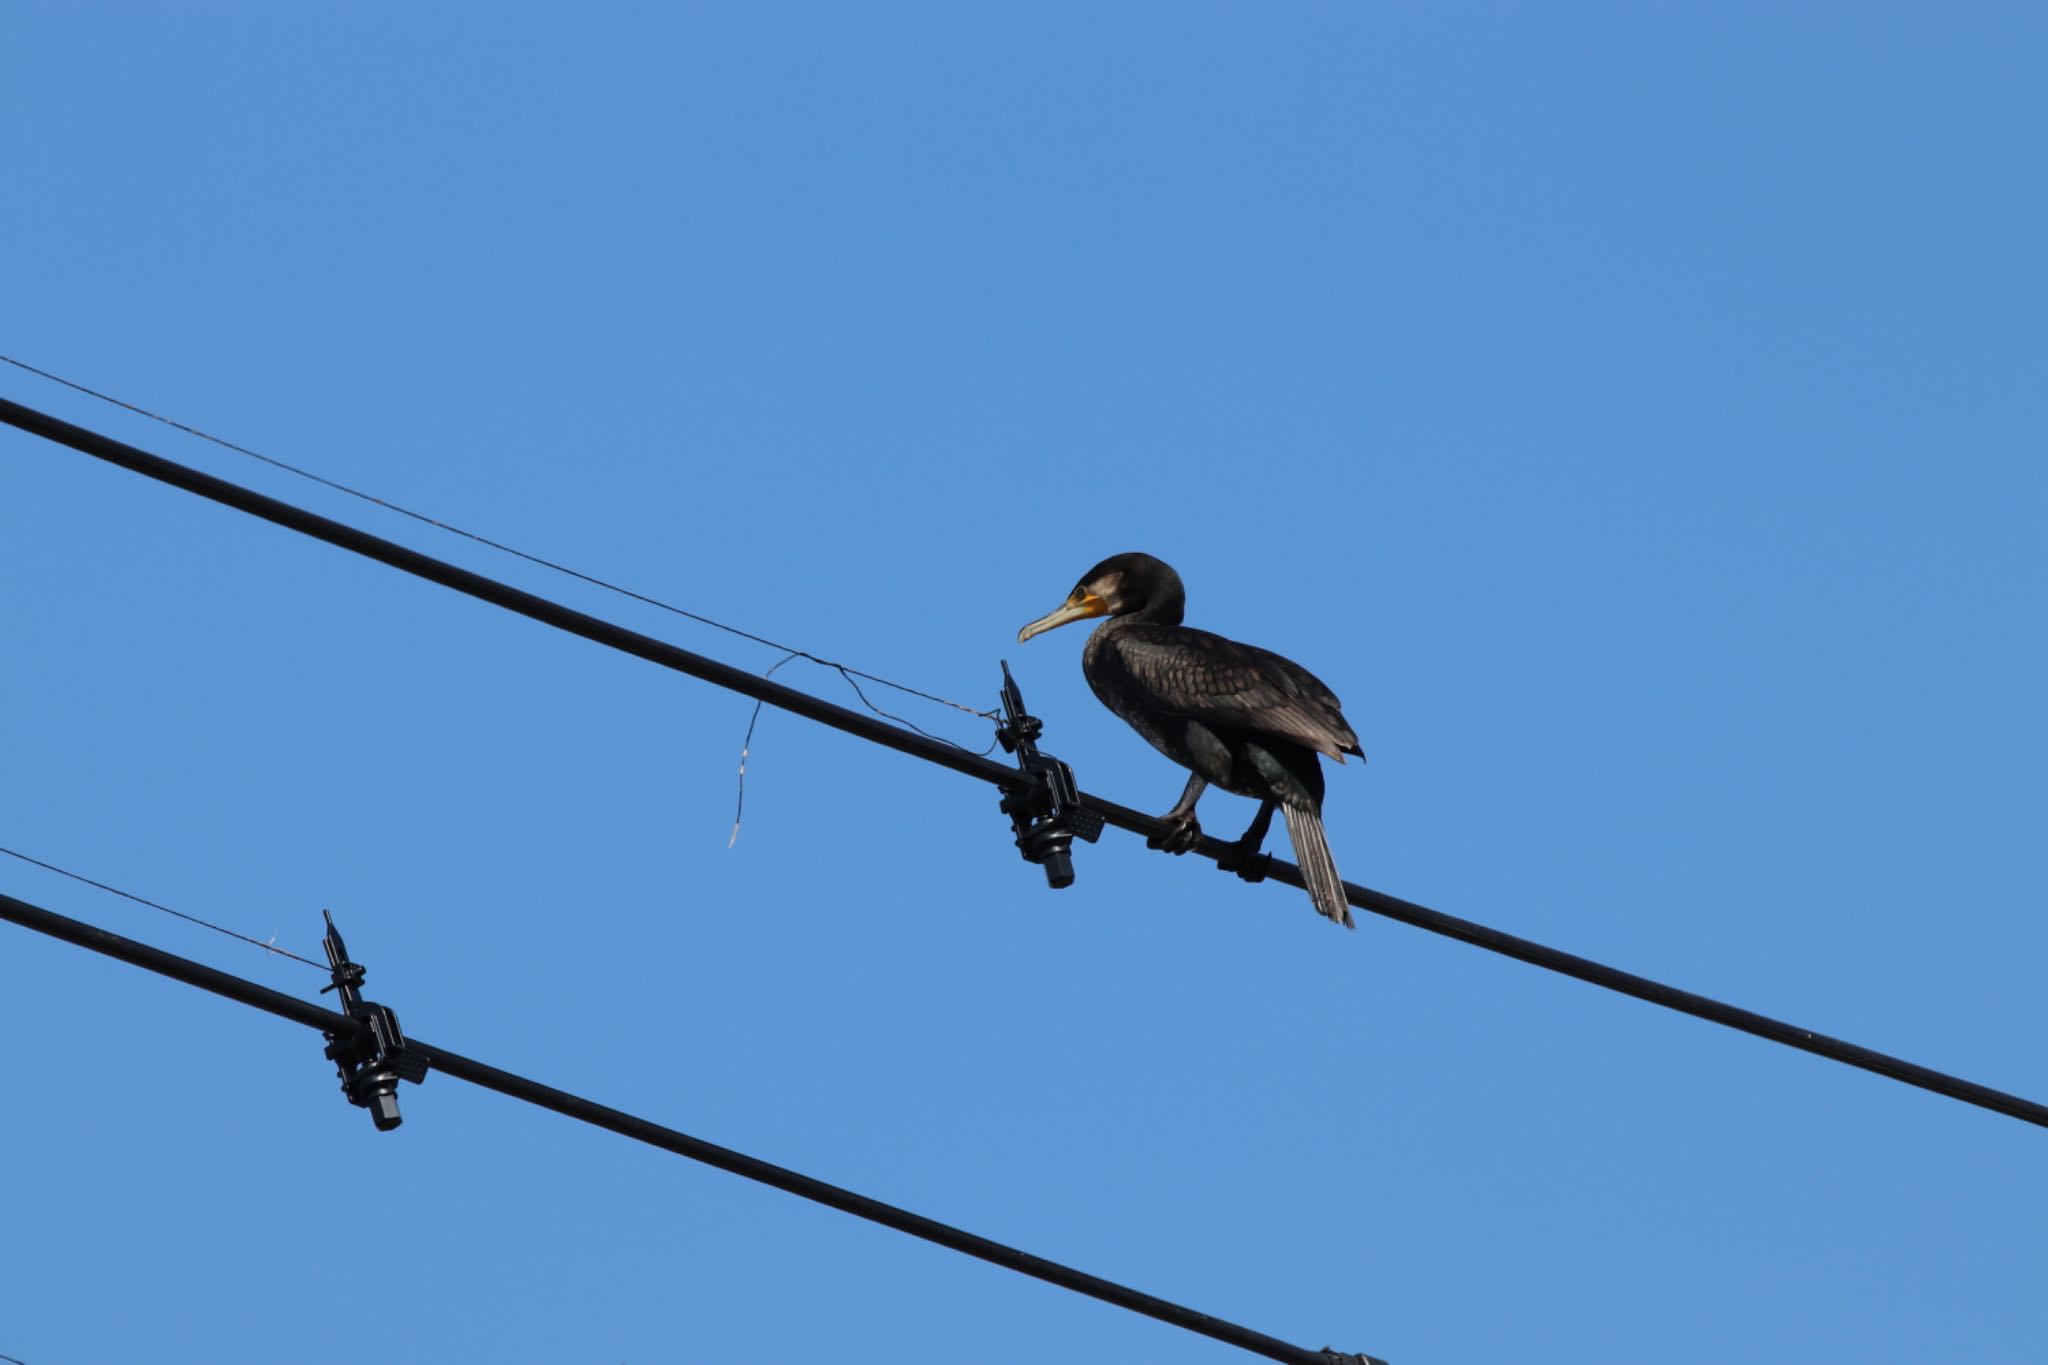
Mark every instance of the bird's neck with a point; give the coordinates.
(1165, 610)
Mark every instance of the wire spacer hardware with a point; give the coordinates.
(373, 1058)
(1046, 816)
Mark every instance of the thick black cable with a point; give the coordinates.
(947, 756)
(845, 671)
(669, 1140)
(498, 594)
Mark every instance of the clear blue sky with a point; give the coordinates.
(1635, 412)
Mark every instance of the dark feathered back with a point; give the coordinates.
(1227, 685)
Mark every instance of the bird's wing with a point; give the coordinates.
(1200, 676)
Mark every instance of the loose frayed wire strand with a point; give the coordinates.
(747, 744)
(739, 808)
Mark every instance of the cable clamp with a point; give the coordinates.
(372, 1058)
(1047, 815)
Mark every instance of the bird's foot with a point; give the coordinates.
(1245, 859)
(1183, 832)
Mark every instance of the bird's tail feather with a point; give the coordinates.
(1318, 868)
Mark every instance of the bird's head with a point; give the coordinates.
(1122, 585)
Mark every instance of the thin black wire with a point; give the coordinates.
(849, 675)
(270, 947)
(674, 657)
(667, 1139)
(12, 1361)
(845, 671)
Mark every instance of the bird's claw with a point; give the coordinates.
(1246, 861)
(1183, 832)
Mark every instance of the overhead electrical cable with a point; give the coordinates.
(669, 1140)
(846, 671)
(951, 756)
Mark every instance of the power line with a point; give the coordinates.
(499, 594)
(849, 673)
(270, 947)
(867, 727)
(669, 1140)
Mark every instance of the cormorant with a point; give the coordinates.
(1238, 717)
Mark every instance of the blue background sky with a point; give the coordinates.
(1635, 414)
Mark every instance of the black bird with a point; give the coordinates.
(1239, 717)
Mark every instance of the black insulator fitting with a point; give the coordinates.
(1046, 813)
(372, 1058)
(375, 1088)
(1053, 850)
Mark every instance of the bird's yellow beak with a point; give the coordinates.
(1079, 607)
